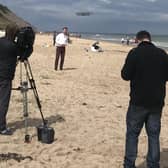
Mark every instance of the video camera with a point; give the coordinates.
(24, 40)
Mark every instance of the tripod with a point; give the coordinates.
(24, 88)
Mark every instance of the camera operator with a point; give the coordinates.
(8, 59)
(146, 67)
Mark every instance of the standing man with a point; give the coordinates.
(8, 58)
(61, 42)
(146, 67)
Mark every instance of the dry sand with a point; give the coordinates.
(86, 104)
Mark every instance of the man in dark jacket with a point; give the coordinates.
(146, 67)
(8, 58)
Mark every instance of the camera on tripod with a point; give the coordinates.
(24, 40)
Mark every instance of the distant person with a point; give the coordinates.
(122, 40)
(146, 67)
(8, 59)
(95, 47)
(136, 41)
(61, 42)
(54, 37)
(127, 40)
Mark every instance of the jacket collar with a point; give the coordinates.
(145, 43)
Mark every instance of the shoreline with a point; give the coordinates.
(160, 44)
(119, 44)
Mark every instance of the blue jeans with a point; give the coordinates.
(136, 118)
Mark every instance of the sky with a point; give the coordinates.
(107, 16)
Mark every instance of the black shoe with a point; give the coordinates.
(6, 131)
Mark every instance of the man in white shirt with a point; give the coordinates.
(61, 42)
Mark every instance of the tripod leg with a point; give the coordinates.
(25, 109)
(33, 86)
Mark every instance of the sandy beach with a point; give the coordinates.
(86, 104)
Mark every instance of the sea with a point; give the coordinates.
(158, 40)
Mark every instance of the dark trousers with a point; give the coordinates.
(136, 118)
(5, 92)
(60, 53)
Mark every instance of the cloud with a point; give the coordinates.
(48, 13)
(163, 17)
(106, 1)
(151, 0)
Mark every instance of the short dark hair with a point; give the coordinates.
(65, 28)
(142, 35)
(10, 31)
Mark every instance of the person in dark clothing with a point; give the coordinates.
(54, 37)
(8, 59)
(146, 67)
(127, 40)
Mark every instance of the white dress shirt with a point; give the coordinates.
(61, 39)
